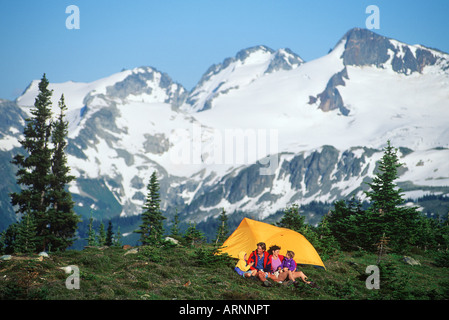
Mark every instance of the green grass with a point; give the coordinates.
(184, 273)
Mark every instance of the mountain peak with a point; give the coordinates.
(281, 59)
(244, 54)
(233, 73)
(149, 85)
(364, 47)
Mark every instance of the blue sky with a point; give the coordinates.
(184, 37)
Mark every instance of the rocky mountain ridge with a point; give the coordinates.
(260, 131)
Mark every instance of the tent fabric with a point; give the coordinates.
(251, 232)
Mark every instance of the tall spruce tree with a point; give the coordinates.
(34, 170)
(387, 215)
(63, 220)
(118, 238)
(384, 194)
(151, 230)
(109, 235)
(222, 230)
(43, 175)
(101, 235)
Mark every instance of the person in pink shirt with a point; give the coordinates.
(283, 267)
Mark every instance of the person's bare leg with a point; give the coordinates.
(278, 278)
(300, 274)
(282, 276)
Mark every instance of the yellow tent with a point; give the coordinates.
(251, 232)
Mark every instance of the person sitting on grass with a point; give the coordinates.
(288, 267)
(242, 267)
(275, 259)
(261, 264)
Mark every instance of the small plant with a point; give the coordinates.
(151, 253)
(193, 236)
(208, 257)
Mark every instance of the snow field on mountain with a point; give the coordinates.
(247, 114)
(427, 167)
(279, 101)
(74, 92)
(401, 113)
(237, 74)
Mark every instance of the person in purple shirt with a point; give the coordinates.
(288, 264)
(288, 267)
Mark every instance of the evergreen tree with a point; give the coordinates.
(63, 220)
(91, 237)
(175, 230)
(327, 245)
(43, 173)
(25, 240)
(102, 235)
(428, 235)
(151, 230)
(292, 219)
(337, 220)
(109, 235)
(347, 224)
(387, 213)
(118, 238)
(443, 233)
(34, 170)
(9, 238)
(222, 230)
(2, 242)
(384, 194)
(192, 235)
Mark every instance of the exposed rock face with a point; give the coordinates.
(364, 47)
(158, 86)
(305, 175)
(330, 98)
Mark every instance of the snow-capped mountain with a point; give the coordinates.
(259, 131)
(235, 73)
